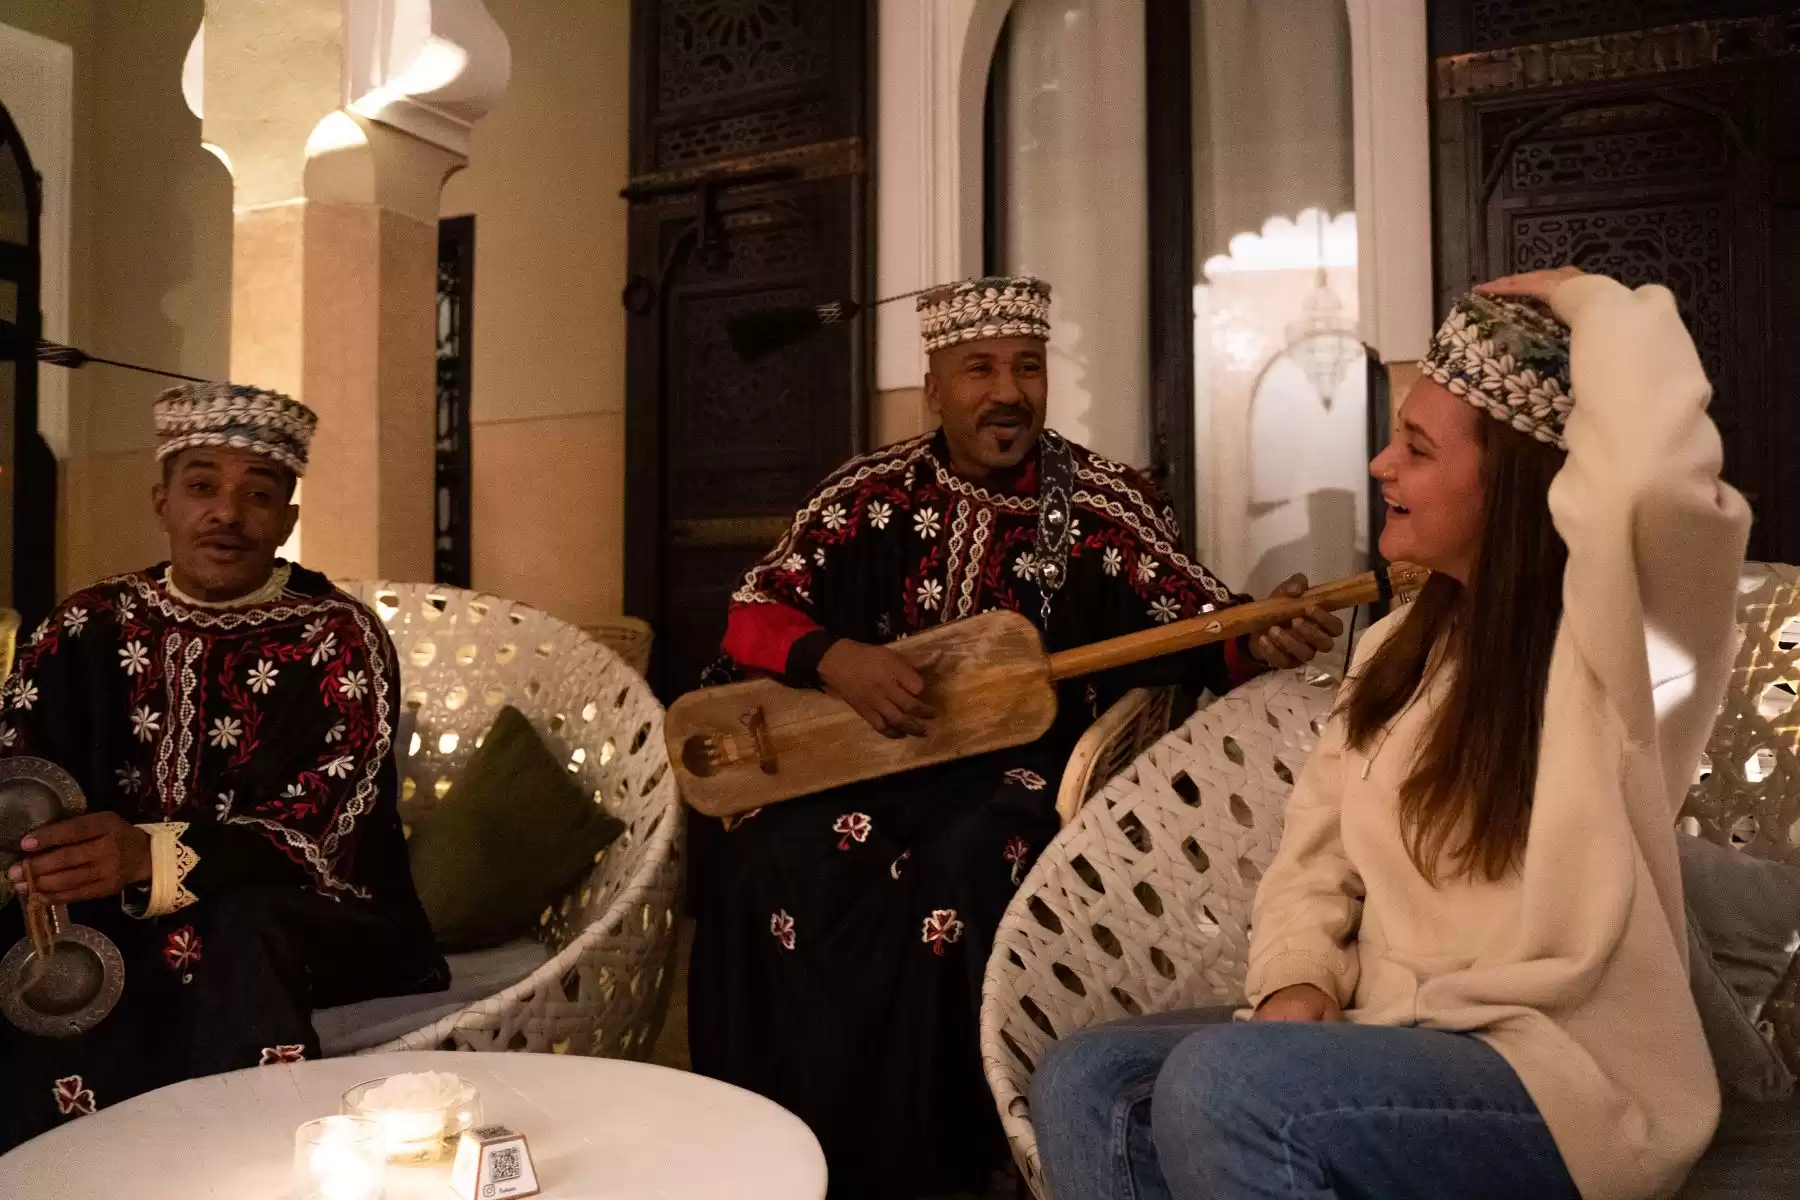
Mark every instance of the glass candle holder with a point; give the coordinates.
(339, 1158)
(420, 1117)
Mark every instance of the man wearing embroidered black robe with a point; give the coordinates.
(842, 938)
(230, 718)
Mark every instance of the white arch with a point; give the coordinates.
(934, 59)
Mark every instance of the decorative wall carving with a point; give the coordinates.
(1670, 153)
(1683, 246)
(1590, 43)
(451, 536)
(714, 50)
(1461, 26)
(748, 193)
(748, 133)
(1653, 173)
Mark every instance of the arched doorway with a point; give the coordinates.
(27, 466)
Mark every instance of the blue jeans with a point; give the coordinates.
(1194, 1107)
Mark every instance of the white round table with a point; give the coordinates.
(599, 1129)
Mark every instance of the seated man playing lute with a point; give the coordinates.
(230, 718)
(842, 937)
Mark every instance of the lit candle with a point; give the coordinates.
(339, 1158)
(419, 1115)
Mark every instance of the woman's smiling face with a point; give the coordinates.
(1430, 476)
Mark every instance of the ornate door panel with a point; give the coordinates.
(1665, 156)
(749, 128)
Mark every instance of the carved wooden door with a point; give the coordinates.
(750, 121)
(1657, 141)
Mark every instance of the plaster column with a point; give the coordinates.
(340, 123)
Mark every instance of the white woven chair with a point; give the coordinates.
(1123, 732)
(628, 637)
(611, 939)
(1142, 905)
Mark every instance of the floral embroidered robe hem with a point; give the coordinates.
(254, 743)
(842, 938)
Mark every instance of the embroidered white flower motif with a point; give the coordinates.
(276, 1055)
(25, 695)
(9, 737)
(1031, 781)
(1074, 530)
(1018, 853)
(354, 685)
(880, 513)
(314, 628)
(130, 778)
(127, 612)
(793, 562)
(262, 679)
(1146, 570)
(40, 633)
(819, 556)
(931, 594)
(144, 723)
(1164, 610)
(1112, 562)
(293, 791)
(335, 733)
(73, 1098)
(855, 827)
(782, 926)
(325, 649)
(340, 766)
(834, 517)
(75, 620)
(222, 806)
(134, 658)
(926, 524)
(226, 732)
(942, 929)
(1025, 566)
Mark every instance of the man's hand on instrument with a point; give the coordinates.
(882, 687)
(1301, 639)
(1301, 1002)
(89, 857)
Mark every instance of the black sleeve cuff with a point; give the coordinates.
(804, 657)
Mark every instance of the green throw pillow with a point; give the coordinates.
(512, 836)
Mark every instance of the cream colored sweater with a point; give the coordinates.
(1574, 967)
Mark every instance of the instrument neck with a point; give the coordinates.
(1225, 624)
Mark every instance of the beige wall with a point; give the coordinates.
(549, 366)
(150, 261)
(151, 228)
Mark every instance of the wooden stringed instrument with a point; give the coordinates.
(750, 744)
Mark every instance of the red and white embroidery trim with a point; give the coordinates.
(276, 1055)
(1031, 781)
(782, 926)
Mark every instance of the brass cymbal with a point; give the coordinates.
(82, 977)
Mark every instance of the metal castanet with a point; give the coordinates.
(61, 979)
(746, 745)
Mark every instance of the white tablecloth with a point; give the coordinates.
(600, 1129)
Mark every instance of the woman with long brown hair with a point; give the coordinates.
(1468, 960)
